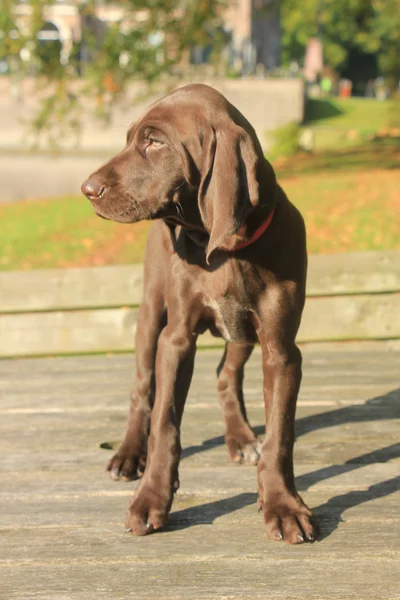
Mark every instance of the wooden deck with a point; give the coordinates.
(61, 518)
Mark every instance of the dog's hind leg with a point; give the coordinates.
(242, 443)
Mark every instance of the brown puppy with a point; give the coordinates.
(228, 254)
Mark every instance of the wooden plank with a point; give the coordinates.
(351, 318)
(67, 332)
(354, 273)
(122, 285)
(78, 288)
(325, 319)
(61, 518)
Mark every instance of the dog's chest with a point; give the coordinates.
(229, 319)
(222, 300)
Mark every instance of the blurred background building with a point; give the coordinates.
(251, 28)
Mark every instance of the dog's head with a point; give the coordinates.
(192, 157)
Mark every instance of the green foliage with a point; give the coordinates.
(150, 39)
(345, 26)
(340, 23)
(385, 38)
(286, 140)
(394, 112)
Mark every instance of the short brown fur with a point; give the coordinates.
(194, 164)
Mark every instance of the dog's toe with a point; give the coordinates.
(126, 467)
(251, 454)
(245, 453)
(148, 510)
(290, 521)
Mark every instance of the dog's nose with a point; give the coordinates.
(93, 189)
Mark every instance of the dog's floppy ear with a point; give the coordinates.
(231, 171)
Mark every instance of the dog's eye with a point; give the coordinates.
(155, 143)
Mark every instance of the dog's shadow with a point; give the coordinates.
(206, 514)
(375, 409)
(330, 513)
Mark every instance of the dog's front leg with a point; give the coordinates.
(285, 514)
(151, 504)
(130, 459)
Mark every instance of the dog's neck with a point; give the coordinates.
(244, 240)
(257, 223)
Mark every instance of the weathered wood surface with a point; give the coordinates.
(354, 273)
(58, 289)
(68, 332)
(351, 318)
(61, 518)
(99, 287)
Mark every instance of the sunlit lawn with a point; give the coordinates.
(64, 232)
(344, 211)
(338, 122)
(346, 113)
(348, 191)
(350, 211)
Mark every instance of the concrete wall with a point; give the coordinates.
(266, 103)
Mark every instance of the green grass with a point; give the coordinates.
(64, 232)
(348, 211)
(348, 192)
(382, 154)
(350, 200)
(338, 122)
(348, 112)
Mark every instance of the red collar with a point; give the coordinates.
(257, 234)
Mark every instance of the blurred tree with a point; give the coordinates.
(368, 30)
(150, 39)
(384, 39)
(338, 22)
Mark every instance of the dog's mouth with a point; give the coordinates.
(116, 216)
(136, 211)
(129, 211)
(98, 214)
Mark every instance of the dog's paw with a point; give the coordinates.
(288, 519)
(244, 453)
(149, 509)
(126, 465)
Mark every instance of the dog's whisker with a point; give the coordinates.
(179, 210)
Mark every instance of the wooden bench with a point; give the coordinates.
(65, 311)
